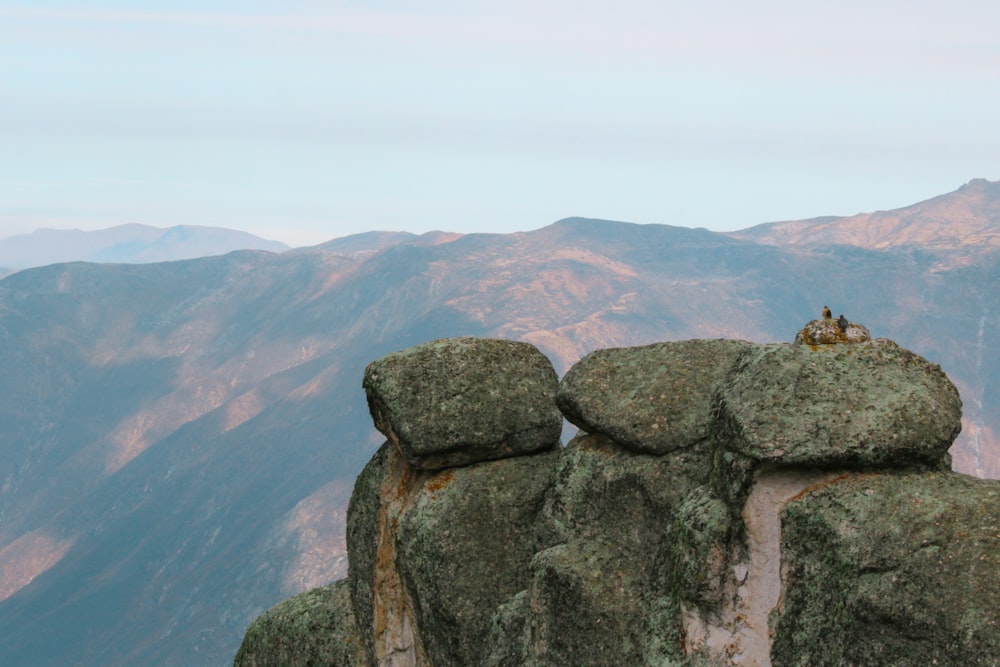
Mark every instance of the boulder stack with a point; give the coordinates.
(725, 503)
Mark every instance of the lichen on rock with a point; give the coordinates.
(457, 401)
(727, 503)
(894, 570)
(652, 399)
(313, 628)
(464, 544)
(873, 404)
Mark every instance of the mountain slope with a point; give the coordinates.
(179, 439)
(130, 243)
(967, 220)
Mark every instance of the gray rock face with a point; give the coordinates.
(653, 399)
(892, 570)
(727, 504)
(313, 628)
(586, 606)
(464, 545)
(457, 401)
(871, 404)
(439, 527)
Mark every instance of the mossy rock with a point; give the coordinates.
(464, 545)
(509, 641)
(892, 570)
(587, 606)
(604, 491)
(458, 401)
(310, 629)
(866, 405)
(652, 399)
(698, 548)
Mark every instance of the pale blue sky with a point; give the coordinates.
(303, 121)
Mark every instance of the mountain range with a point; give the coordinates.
(179, 439)
(131, 243)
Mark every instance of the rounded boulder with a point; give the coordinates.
(458, 401)
(870, 404)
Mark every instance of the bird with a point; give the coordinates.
(842, 323)
(827, 315)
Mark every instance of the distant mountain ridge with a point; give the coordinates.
(966, 220)
(128, 244)
(367, 243)
(178, 439)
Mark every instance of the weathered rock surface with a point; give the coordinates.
(433, 554)
(313, 628)
(654, 399)
(829, 332)
(888, 569)
(464, 544)
(457, 401)
(587, 606)
(727, 504)
(870, 404)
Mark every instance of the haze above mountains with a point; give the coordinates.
(128, 244)
(180, 438)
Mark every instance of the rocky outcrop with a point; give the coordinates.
(725, 503)
(829, 331)
(443, 532)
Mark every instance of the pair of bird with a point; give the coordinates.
(841, 321)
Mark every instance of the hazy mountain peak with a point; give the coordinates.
(126, 244)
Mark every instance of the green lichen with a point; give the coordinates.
(892, 569)
(310, 629)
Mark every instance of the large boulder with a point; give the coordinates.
(313, 628)
(456, 401)
(653, 399)
(866, 405)
(464, 544)
(434, 553)
(891, 570)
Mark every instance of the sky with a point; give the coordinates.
(303, 121)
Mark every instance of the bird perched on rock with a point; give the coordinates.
(827, 315)
(842, 323)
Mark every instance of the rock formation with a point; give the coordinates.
(828, 331)
(725, 503)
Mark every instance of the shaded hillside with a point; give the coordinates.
(130, 243)
(179, 439)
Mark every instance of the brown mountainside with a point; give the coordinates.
(967, 220)
(179, 439)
